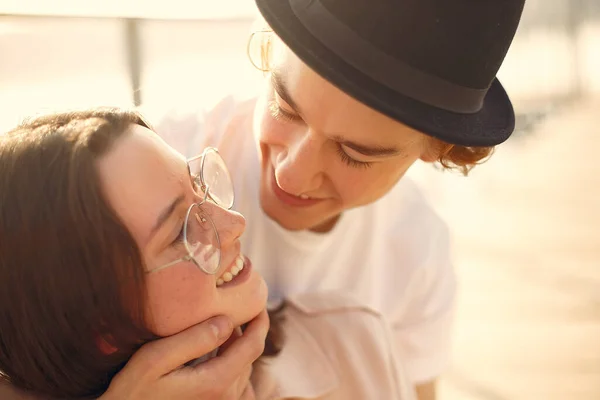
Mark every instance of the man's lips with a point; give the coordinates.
(290, 199)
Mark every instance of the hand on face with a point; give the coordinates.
(155, 371)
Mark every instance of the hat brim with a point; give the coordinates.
(490, 126)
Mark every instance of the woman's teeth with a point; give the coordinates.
(235, 269)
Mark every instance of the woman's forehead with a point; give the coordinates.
(141, 154)
(140, 175)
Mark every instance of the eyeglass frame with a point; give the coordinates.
(205, 217)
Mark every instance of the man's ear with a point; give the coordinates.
(429, 156)
(433, 149)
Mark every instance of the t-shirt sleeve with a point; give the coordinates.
(422, 329)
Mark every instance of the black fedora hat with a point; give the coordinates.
(430, 64)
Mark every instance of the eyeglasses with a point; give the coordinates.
(212, 181)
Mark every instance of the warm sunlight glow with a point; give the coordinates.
(172, 9)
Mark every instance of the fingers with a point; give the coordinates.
(165, 355)
(248, 393)
(155, 368)
(233, 362)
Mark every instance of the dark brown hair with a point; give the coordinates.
(70, 271)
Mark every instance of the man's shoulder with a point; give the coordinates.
(192, 127)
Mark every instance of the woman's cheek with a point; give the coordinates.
(176, 302)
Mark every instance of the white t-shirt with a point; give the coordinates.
(392, 255)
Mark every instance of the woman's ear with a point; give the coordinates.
(105, 347)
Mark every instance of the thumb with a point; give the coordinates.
(164, 355)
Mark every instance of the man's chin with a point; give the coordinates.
(289, 224)
(320, 226)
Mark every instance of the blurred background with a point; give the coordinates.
(526, 224)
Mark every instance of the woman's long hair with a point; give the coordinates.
(71, 273)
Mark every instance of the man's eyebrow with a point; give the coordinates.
(278, 83)
(370, 151)
(166, 213)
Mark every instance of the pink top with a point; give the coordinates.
(334, 348)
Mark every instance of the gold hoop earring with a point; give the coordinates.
(248, 52)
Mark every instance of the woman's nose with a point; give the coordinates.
(230, 225)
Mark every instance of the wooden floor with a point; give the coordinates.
(527, 250)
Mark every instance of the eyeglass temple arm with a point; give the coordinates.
(186, 258)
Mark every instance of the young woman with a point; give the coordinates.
(111, 239)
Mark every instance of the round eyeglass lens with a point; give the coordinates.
(202, 241)
(215, 176)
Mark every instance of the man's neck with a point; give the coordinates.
(326, 226)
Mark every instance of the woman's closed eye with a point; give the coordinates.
(179, 239)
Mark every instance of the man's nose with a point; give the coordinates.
(298, 168)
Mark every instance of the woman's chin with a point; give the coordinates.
(241, 304)
(250, 307)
